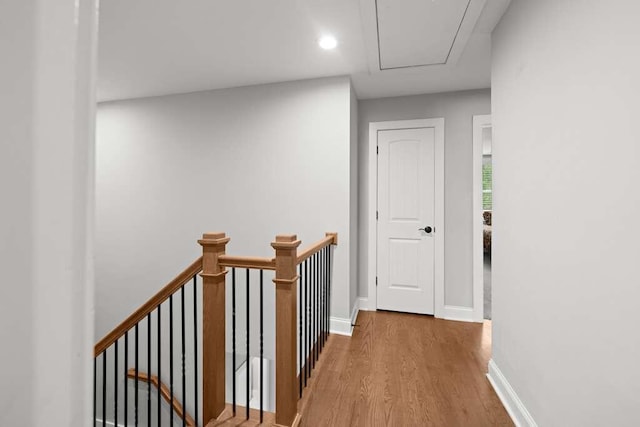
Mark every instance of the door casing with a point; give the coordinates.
(438, 125)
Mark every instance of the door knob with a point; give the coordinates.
(427, 229)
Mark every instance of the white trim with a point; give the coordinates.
(458, 313)
(374, 127)
(340, 326)
(479, 123)
(509, 398)
(354, 311)
(363, 305)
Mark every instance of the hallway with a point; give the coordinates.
(405, 370)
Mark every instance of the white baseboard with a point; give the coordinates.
(512, 403)
(363, 304)
(461, 314)
(367, 305)
(354, 311)
(340, 326)
(450, 312)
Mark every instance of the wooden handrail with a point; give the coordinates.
(148, 307)
(260, 263)
(164, 391)
(330, 239)
(247, 262)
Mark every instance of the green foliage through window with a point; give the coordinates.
(487, 184)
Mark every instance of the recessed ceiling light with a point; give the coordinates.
(328, 42)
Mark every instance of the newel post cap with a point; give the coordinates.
(214, 239)
(286, 241)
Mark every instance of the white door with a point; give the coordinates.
(406, 220)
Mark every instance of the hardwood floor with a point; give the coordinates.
(404, 370)
(226, 419)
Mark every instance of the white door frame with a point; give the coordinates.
(374, 128)
(480, 122)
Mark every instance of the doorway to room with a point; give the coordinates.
(482, 215)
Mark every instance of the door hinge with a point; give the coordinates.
(376, 215)
(376, 280)
(377, 150)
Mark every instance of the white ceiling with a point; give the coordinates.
(158, 47)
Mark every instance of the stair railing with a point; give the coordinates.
(116, 346)
(302, 311)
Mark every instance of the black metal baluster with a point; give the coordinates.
(326, 284)
(326, 290)
(195, 346)
(321, 290)
(314, 307)
(184, 381)
(104, 387)
(299, 328)
(171, 359)
(135, 394)
(303, 368)
(159, 332)
(324, 296)
(329, 286)
(233, 337)
(320, 343)
(115, 383)
(149, 369)
(313, 311)
(261, 340)
(95, 386)
(307, 322)
(319, 303)
(248, 358)
(126, 377)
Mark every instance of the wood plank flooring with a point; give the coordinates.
(404, 370)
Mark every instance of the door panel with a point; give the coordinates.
(406, 193)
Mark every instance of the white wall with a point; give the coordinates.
(353, 200)
(457, 108)
(566, 154)
(252, 162)
(46, 169)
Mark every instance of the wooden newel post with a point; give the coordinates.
(213, 325)
(286, 297)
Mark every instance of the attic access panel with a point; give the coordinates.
(416, 33)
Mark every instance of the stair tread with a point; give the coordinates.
(227, 418)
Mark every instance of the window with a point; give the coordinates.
(487, 184)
